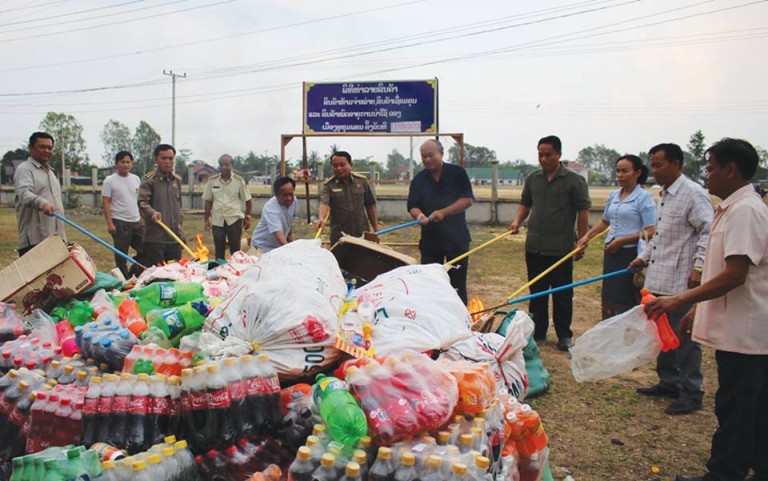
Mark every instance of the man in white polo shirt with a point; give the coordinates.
(275, 225)
(732, 314)
(119, 197)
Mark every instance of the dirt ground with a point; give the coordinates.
(598, 431)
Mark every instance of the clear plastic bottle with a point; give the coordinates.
(327, 470)
(155, 467)
(479, 471)
(361, 458)
(352, 472)
(407, 469)
(383, 469)
(302, 468)
(433, 469)
(170, 463)
(140, 472)
(317, 450)
(459, 472)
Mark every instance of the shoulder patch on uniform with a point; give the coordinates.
(359, 176)
(176, 176)
(150, 175)
(217, 176)
(330, 180)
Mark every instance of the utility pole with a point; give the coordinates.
(173, 76)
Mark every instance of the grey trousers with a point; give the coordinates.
(681, 368)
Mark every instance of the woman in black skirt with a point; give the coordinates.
(631, 215)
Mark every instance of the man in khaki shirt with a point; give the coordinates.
(225, 196)
(732, 314)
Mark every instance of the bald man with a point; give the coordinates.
(438, 197)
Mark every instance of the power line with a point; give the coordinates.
(27, 7)
(69, 14)
(121, 22)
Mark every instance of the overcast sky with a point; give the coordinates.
(624, 73)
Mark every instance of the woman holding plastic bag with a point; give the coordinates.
(630, 214)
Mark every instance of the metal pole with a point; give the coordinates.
(173, 102)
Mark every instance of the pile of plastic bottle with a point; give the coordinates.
(102, 389)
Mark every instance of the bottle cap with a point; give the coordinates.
(23, 385)
(466, 439)
(168, 451)
(328, 460)
(181, 445)
(459, 468)
(304, 452)
(229, 362)
(169, 439)
(318, 429)
(263, 357)
(69, 368)
(312, 441)
(353, 469)
(408, 459)
(144, 377)
(153, 459)
(96, 379)
(126, 376)
(359, 456)
(139, 466)
(213, 369)
(434, 461)
(108, 464)
(81, 375)
(385, 452)
(365, 442)
(482, 462)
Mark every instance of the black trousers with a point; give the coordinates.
(127, 235)
(155, 253)
(741, 406)
(562, 302)
(24, 250)
(227, 235)
(431, 254)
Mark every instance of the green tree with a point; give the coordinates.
(69, 142)
(521, 166)
(762, 169)
(8, 158)
(144, 141)
(601, 161)
(115, 136)
(693, 163)
(183, 159)
(474, 155)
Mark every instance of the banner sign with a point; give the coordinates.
(385, 108)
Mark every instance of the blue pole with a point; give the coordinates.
(92, 236)
(569, 286)
(396, 227)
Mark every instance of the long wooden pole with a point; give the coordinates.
(176, 238)
(481, 246)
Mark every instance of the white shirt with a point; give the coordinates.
(737, 321)
(684, 216)
(124, 195)
(274, 218)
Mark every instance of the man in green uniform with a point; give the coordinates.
(226, 195)
(349, 199)
(160, 200)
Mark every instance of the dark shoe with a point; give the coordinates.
(565, 343)
(683, 406)
(658, 390)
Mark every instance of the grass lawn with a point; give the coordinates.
(598, 431)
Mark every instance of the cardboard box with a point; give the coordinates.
(365, 260)
(47, 274)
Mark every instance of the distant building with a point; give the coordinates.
(579, 168)
(484, 176)
(202, 171)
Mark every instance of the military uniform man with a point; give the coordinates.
(160, 200)
(349, 199)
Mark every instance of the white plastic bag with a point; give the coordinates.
(615, 346)
(415, 308)
(503, 354)
(286, 306)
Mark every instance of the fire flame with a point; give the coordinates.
(475, 305)
(201, 252)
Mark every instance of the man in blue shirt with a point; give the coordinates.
(437, 198)
(274, 228)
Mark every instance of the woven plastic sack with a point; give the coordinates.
(615, 346)
(286, 305)
(415, 308)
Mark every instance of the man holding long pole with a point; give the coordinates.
(556, 198)
(160, 200)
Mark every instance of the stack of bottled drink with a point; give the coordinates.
(105, 341)
(169, 460)
(11, 326)
(55, 417)
(225, 400)
(29, 352)
(58, 464)
(242, 461)
(169, 362)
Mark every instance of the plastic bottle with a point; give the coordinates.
(130, 317)
(361, 458)
(169, 293)
(345, 419)
(103, 417)
(317, 450)
(407, 469)
(383, 469)
(217, 465)
(479, 470)
(138, 410)
(170, 463)
(240, 465)
(458, 472)
(271, 391)
(302, 468)
(34, 439)
(121, 402)
(534, 427)
(352, 472)
(433, 469)
(158, 417)
(140, 472)
(67, 375)
(230, 372)
(667, 335)
(176, 322)
(174, 406)
(326, 471)
(186, 461)
(110, 473)
(219, 407)
(65, 333)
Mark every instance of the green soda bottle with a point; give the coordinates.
(345, 418)
(168, 294)
(81, 313)
(177, 322)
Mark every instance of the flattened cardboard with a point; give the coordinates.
(47, 274)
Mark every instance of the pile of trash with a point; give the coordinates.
(263, 368)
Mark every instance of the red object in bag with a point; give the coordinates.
(669, 340)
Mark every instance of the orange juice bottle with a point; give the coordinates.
(519, 435)
(471, 392)
(534, 429)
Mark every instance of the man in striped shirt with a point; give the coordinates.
(675, 258)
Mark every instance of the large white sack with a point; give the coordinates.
(503, 354)
(415, 308)
(615, 346)
(286, 305)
